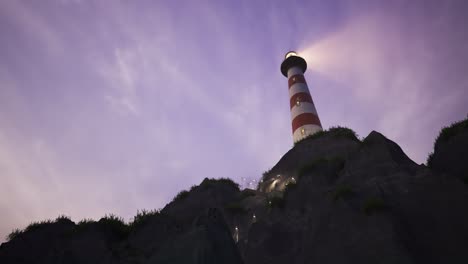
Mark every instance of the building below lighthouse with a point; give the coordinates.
(304, 117)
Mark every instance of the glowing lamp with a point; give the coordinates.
(289, 54)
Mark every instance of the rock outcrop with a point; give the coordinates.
(331, 199)
(451, 151)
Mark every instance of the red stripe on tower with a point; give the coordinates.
(298, 78)
(304, 117)
(299, 98)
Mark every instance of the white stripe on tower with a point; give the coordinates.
(304, 107)
(298, 88)
(305, 120)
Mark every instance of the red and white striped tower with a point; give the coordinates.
(305, 120)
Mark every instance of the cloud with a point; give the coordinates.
(39, 183)
(203, 96)
(389, 70)
(65, 2)
(122, 77)
(30, 189)
(33, 24)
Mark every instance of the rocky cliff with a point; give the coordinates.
(331, 199)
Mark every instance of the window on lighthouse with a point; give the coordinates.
(298, 101)
(302, 131)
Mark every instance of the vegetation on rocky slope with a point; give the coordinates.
(337, 131)
(35, 226)
(446, 134)
(332, 193)
(116, 224)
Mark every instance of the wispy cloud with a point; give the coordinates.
(27, 21)
(390, 70)
(130, 102)
(123, 78)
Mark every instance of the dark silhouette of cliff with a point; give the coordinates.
(331, 199)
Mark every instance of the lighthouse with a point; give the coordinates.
(304, 117)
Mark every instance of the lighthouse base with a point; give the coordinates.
(305, 131)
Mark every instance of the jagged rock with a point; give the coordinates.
(337, 200)
(174, 227)
(451, 151)
(208, 241)
(329, 145)
(394, 211)
(89, 246)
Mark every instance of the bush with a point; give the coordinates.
(180, 196)
(85, 223)
(37, 225)
(342, 192)
(111, 218)
(313, 136)
(344, 132)
(208, 183)
(335, 132)
(62, 219)
(15, 233)
(116, 224)
(373, 205)
(142, 217)
(454, 129)
(446, 134)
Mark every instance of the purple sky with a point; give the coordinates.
(114, 106)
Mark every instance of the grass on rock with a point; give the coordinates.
(446, 134)
(337, 131)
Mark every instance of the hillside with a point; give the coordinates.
(331, 199)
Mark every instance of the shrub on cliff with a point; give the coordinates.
(446, 134)
(208, 183)
(337, 131)
(37, 225)
(180, 196)
(115, 224)
(143, 217)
